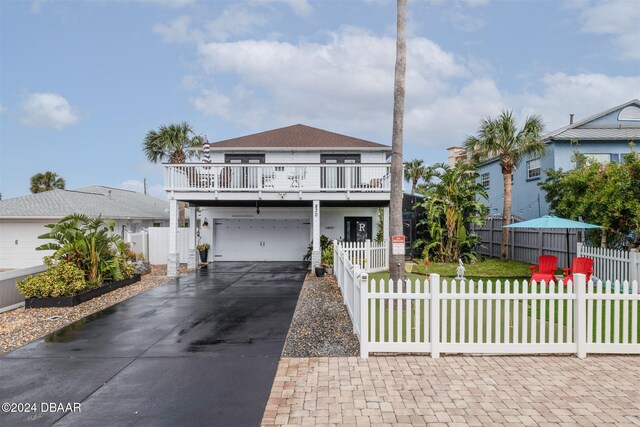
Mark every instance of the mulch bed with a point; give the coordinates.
(321, 326)
(20, 326)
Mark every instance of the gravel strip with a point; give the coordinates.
(20, 326)
(321, 326)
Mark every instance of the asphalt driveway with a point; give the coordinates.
(201, 350)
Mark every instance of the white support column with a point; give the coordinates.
(173, 262)
(315, 225)
(192, 261)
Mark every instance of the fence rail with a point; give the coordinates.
(369, 256)
(612, 263)
(450, 316)
(285, 177)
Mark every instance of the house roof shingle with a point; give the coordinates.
(92, 201)
(297, 136)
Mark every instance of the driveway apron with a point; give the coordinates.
(201, 350)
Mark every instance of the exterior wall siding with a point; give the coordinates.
(526, 191)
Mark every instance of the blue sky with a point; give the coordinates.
(81, 82)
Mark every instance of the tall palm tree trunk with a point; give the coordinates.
(506, 220)
(396, 262)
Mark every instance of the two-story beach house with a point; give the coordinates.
(604, 137)
(268, 196)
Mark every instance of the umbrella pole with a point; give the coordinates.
(568, 265)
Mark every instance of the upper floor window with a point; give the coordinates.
(484, 179)
(599, 157)
(533, 169)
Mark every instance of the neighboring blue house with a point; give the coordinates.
(604, 136)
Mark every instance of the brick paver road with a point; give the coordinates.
(456, 390)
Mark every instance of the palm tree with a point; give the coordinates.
(500, 138)
(46, 181)
(172, 143)
(414, 170)
(396, 262)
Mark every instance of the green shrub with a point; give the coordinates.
(61, 279)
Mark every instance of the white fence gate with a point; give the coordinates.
(369, 256)
(10, 297)
(434, 316)
(612, 263)
(154, 244)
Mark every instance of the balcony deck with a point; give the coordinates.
(284, 181)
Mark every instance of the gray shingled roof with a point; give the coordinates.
(602, 134)
(92, 201)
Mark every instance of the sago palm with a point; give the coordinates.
(500, 138)
(46, 181)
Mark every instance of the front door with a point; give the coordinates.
(357, 229)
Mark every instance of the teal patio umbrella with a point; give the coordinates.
(550, 221)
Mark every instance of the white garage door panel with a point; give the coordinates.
(18, 243)
(261, 239)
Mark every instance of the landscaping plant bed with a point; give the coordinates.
(71, 301)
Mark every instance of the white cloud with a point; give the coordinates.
(348, 80)
(156, 190)
(345, 84)
(171, 4)
(581, 94)
(299, 7)
(463, 21)
(36, 6)
(617, 19)
(2, 109)
(47, 110)
(234, 20)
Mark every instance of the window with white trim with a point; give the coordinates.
(533, 169)
(599, 157)
(484, 179)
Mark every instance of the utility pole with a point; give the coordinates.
(396, 262)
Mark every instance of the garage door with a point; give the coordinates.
(261, 239)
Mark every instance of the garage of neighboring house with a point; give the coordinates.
(261, 239)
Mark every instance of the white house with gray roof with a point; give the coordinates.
(604, 137)
(23, 219)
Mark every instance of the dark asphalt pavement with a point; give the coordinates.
(201, 350)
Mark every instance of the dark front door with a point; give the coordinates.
(333, 173)
(357, 229)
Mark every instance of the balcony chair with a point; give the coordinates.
(547, 265)
(580, 265)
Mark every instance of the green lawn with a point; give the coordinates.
(493, 270)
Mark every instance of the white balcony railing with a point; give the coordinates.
(279, 178)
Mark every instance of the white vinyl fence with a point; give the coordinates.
(434, 316)
(154, 244)
(612, 263)
(369, 256)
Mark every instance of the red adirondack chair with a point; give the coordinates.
(580, 265)
(547, 265)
